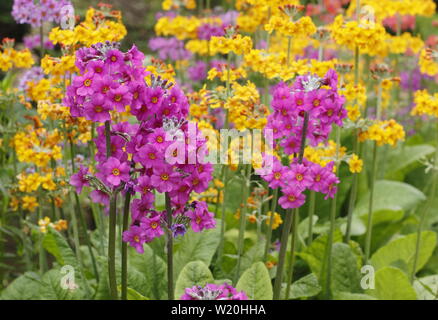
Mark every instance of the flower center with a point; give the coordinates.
(154, 99)
(87, 82)
(136, 238)
(166, 112)
(316, 103)
(136, 95)
(98, 109)
(98, 70)
(173, 99)
(116, 172)
(113, 58)
(291, 198)
(198, 220)
(152, 156)
(330, 112)
(105, 89)
(159, 139)
(299, 102)
(318, 178)
(299, 177)
(195, 181)
(277, 175)
(165, 177)
(118, 97)
(146, 190)
(154, 225)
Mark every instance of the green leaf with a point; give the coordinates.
(403, 249)
(345, 274)
(392, 284)
(351, 296)
(305, 287)
(25, 287)
(384, 216)
(131, 294)
(314, 254)
(253, 255)
(55, 244)
(195, 273)
(51, 288)
(256, 283)
(391, 195)
(406, 158)
(427, 287)
(196, 246)
(154, 270)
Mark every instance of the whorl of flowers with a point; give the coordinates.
(213, 292)
(140, 161)
(35, 12)
(9, 57)
(425, 103)
(318, 100)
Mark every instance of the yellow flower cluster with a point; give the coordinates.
(31, 182)
(58, 67)
(367, 36)
(244, 108)
(226, 74)
(353, 93)
(29, 203)
(175, 5)
(353, 112)
(209, 196)
(381, 9)
(58, 225)
(9, 57)
(37, 146)
(403, 43)
(252, 18)
(200, 47)
(277, 220)
(44, 89)
(355, 164)
(303, 27)
(180, 27)
(428, 64)
(96, 28)
(384, 132)
(323, 154)
(238, 44)
(425, 103)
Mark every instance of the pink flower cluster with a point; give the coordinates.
(142, 154)
(296, 178)
(318, 97)
(213, 292)
(319, 101)
(35, 12)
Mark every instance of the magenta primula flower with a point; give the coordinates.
(79, 179)
(84, 85)
(201, 218)
(120, 97)
(97, 109)
(299, 176)
(292, 198)
(115, 172)
(164, 178)
(136, 237)
(152, 227)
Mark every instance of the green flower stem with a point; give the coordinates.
(426, 209)
(170, 285)
(81, 216)
(328, 252)
(112, 225)
(289, 44)
(125, 247)
(293, 243)
(223, 207)
(288, 222)
(310, 217)
(112, 246)
(282, 255)
(353, 193)
(373, 181)
(271, 223)
(242, 220)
